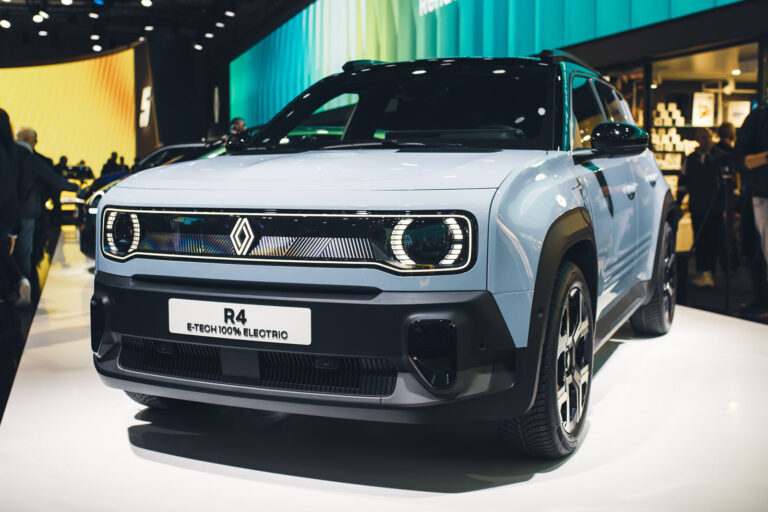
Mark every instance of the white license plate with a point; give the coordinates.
(269, 324)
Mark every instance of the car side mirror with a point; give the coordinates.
(619, 139)
(237, 142)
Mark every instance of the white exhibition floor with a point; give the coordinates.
(675, 423)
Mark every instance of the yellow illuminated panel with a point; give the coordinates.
(83, 109)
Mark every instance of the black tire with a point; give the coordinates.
(541, 431)
(656, 317)
(156, 402)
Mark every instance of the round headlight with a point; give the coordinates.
(123, 231)
(430, 242)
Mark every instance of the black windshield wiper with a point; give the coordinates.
(275, 149)
(390, 143)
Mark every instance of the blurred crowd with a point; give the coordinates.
(28, 180)
(727, 186)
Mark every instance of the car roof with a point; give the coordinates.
(546, 58)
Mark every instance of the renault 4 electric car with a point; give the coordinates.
(457, 252)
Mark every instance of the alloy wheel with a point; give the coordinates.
(574, 355)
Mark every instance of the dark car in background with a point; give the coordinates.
(88, 198)
(69, 202)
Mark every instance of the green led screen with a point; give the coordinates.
(317, 41)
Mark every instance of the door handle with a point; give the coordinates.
(630, 190)
(651, 179)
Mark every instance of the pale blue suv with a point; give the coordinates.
(429, 241)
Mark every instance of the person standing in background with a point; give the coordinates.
(752, 157)
(110, 165)
(29, 135)
(61, 166)
(702, 176)
(237, 125)
(12, 285)
(34, 179)
(727, 135)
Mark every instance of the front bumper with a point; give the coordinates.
(348, 324)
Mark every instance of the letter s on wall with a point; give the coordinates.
(146, 106)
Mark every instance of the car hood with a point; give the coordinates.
(353, 170)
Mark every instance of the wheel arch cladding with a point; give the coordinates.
(670, 212)
(570, 237)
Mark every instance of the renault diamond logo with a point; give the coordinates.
(242, 236)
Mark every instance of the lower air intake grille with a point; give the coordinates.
(275, 370)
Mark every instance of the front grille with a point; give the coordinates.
(364, 376)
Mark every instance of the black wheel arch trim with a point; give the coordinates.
(570, 229)
(670, 212)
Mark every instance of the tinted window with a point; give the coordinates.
(613, 105)
(163, 156)
(586, 112)
(488, 105)
(327, 123)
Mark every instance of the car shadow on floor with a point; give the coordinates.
(432, 458)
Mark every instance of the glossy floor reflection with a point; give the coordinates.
(675, 423)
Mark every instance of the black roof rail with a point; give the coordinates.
(354, 65)
(553, 56)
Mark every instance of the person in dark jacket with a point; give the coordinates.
(35, 177)
(29, 135)
(111, 165)
(752, 155)
(12, 285)
(61, 166)
(702, 176)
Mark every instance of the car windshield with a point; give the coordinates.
(436, 104)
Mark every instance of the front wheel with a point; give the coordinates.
(656, 316)
(551, 428)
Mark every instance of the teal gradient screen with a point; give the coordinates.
(317, 41)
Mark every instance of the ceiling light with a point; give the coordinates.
(43, 33)
(149, 28)
(230, 14)
(66, 2)
(198, 47)
(736, 72)
(146, 3)
(419, 72)
(37, 18)
(499, 71)
(209, 35)
(93, 15)
(220, 24)
(142, 38)
(654, 85)
(5, 24)
(95, 37)
(97, 47)
(44, 14)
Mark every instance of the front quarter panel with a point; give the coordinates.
(522, 212)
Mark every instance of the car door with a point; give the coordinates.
(609, 188)
(646, 174)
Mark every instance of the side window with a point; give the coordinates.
(615, 108)
(586, 112)
(327, 123)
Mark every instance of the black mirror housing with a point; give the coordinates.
(237, 142)
(619, 139)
